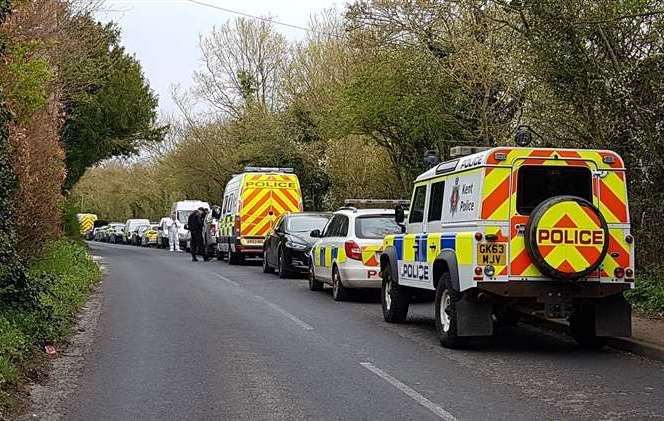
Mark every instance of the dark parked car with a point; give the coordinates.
(288, 245)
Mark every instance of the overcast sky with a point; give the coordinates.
(164, 34)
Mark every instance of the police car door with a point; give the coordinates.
(323, 249)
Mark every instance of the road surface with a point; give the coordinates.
(184, 340)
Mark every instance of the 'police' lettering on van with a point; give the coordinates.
(571, 236)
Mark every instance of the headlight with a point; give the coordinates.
(296, 246)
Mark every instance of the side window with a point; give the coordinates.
(436, 201)
(343, 227)
(331, 227)
(280, 225)
(417, 207)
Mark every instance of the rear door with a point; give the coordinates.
(535, 180)
(264, 198)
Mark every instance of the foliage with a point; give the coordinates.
(648, 296)
(60, 281)
(111, 110)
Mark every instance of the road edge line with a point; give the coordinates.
(410, 392)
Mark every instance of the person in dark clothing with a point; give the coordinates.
(195, 225)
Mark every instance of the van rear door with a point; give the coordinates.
(265, 197)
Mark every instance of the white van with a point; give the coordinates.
(130, 226)
(181, 210)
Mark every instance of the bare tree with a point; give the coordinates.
(244, 61)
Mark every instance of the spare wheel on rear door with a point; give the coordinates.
(566, 237)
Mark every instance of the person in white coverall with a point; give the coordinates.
(173, 229)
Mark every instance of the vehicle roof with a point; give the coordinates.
(296, 214)
(363, 212)
(512, 154)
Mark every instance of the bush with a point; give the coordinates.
(58, 284)
(648, 296)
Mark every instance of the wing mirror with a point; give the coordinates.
(315, 234)
(399, 214)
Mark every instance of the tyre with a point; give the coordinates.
(266, 266)
(339, 292)
(394, 298)
(446, 313)
(582, 327)
(283, 272)
(235, 258)
(314, 284)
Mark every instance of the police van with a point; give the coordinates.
(251, 204)
(507, 231)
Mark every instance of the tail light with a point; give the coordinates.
(353, 251)
(213, 229)
(236, 226)
(619, 272)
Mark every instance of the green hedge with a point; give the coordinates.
(648, 296)
(59, 282)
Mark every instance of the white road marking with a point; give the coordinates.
(273, 306)
(440, 412)
(225, 279)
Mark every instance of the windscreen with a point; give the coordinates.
(183, 215)
(376, 227)
(306, 223)
(539, 183)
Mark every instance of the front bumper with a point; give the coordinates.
(297, 260)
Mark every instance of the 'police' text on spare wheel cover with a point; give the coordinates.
(567, 237)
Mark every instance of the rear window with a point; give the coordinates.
(306, 223)
(539, 183)
(376, 227)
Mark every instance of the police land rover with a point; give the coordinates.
(507, 231)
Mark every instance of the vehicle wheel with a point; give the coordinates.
(283, 272)
(266, 266)
(314, 284)
(235, 258)
(582, 327)
(446, 315)
(395, 299)
(339, 292)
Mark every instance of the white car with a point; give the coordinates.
(347, 254)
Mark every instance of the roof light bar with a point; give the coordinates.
(268, 169)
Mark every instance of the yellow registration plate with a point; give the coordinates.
(492, 254)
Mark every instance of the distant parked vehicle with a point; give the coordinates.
(137, 234)
(96, 234)
(86, 222)
(150, 235)
(182, 210)
(115, 232)
(211, 231)
(130, 227)
(162, 238)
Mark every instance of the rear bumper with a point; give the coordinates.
(361, 277)
(543, 290)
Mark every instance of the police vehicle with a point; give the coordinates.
(252, 203)
(507, 231)
(348, 249)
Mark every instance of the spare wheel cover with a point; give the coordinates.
(567, 237)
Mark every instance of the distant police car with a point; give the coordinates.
(507, 231)
(348, 250)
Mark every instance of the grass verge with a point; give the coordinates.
(648, 296)
(58, 284)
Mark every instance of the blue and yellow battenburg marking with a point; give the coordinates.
(426, 247)
(324, 256)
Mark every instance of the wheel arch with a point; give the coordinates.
(388, 258)
(446, 262)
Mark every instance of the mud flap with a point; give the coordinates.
(613, 317)
(473, 318)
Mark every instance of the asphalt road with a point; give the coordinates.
(183, 340)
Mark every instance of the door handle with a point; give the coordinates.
(433, 246)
